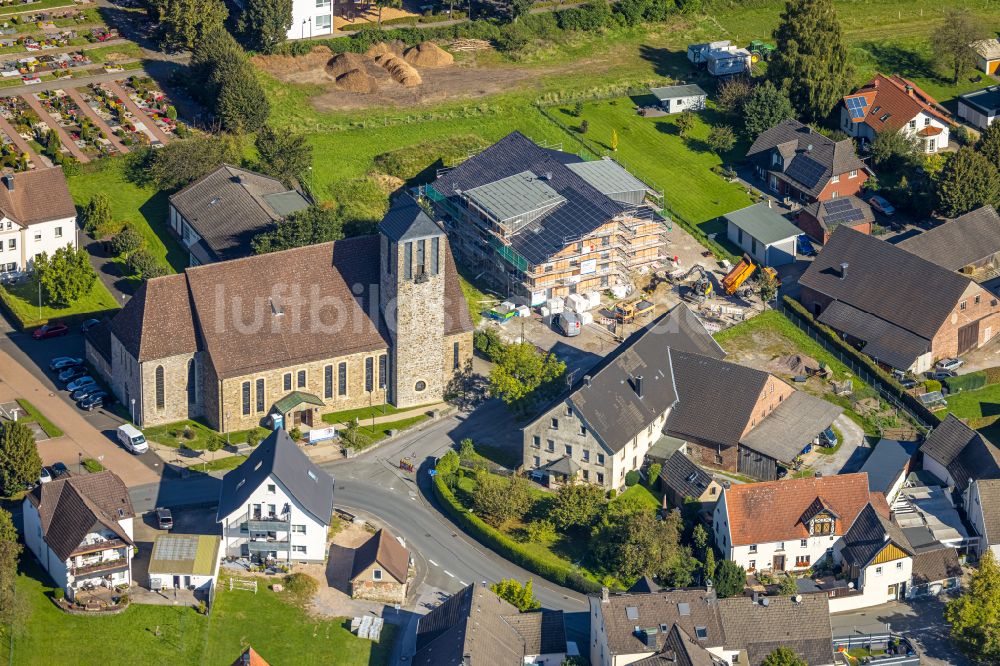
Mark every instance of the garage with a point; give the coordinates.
(763, 233)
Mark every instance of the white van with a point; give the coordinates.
(132, 439)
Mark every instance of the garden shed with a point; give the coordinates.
(186, 561)
(763, 233)
(675, 99)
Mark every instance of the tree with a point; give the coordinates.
(730, 579)
(381, 4)
(521, 370)
(519, 596)
(499, 499)
(264, 24)
(721, 139)
(810, 63)
(584, 126)
(184, 22)
(765, 107)
(20, 463)
(181, 162)
(316, 224)
(282, 154)
(13, 611)
(614, 140)
(578, 109)
(784, 656)
(215, 46)
(967, 181)
(653, 474)
(975, 616)
(126, 241)
(766, 286)
(67, 276)
(788, 586)
(684, 122)
(241, 105)
(699, 537)
(143, 264)
(576, 506)
(733, 94)
(97, 213)
(989, 144)
(951, 40)
(893, 150)
(353, 437)
(633, 543)
(448, 463)
(709, 566)
(519, 8)
(467, 449)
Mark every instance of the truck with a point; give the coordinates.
(626, 312)
(741, 273)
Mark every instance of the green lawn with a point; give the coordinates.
(381, 430)
(363, 413)
(37, 6)
(980, 408)
(119, 51)
(22, 301)
(173, 435)
(219, 464)
(280, 631)
(32, 414)
(641, 496)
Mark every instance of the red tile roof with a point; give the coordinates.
(899, 101)
(250, 658)
(777, 510)
(30, 197)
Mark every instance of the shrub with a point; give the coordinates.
(58, 593)
(931, 385)
(300, 585)
(631, 478)
(653, 474)
(91, 465)
(967, 382)
(202, 607)
(188, 432)
(993, 375)
(295, 433)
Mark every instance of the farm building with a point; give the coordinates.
(821, 218)
(763, 233)
(980, 108)
(969, 244)
(987, 55)
(674, 99)
(895, 104)
(184, 561)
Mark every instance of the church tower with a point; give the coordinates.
(411, 299)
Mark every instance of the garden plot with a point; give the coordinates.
(82, 131)
(152, 101)
(112, 109)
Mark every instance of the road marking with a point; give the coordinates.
(449, 573)
(433, 562)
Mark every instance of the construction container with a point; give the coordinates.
(620, 290)
(523, 311)
(595, 299)
(544, 311)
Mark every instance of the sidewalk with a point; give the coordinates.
(81, 437)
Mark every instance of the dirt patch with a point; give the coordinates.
(795, 364)
(386, 183)
(282, 66)
(357, 81)
(429, 55)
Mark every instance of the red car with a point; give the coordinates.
(50, 330)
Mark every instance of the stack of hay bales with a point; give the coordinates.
(400, 70)
(428, 54)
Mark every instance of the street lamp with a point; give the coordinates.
(133, 410)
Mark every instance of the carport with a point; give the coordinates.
(185, 561)
(792, 427)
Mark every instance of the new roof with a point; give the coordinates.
(885, 281)
(406, 220)
(278, 456)
(609, 177)
(987, 100)
(890, 102)
(774, 510)
(869, 535)
(965, 453)
(681, 475)
(185, 554)
(72, 507)
(675, 92)
(37, 196)
(382, 549)
(959, 242)
(887, 461)
(792, 426)
(227, 207)
(763, 223)
(849, 210)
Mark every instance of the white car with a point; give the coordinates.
(950, 364)
(132, 438)
(45, 476)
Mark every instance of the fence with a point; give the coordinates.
(248, 584)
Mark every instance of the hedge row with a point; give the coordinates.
(886, 381)
(508, 548)
(969, 382)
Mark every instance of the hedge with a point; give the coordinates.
(508, 548)
(886, 381)
(969, 382)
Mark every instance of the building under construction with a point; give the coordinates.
(540, 223)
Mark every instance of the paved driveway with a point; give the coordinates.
(850, 456)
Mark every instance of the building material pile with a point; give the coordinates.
(342, 63)
(400, 70)
(428, 54)
(357, 80)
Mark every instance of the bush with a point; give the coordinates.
(993, 375)
(300, 585)
(931, 385)
(653, 474)
(256, 435)
(968, 382)
(295, 433)
(93, 466)
(58, 593)
(631, 478)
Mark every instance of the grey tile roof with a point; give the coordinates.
(71, 507)
(279, 456)
(935, 564)
(885, 281)
(965, 453)
(959, 242)
(803, 626)
(679, 649)
(887, 462)
(675, 92)
(229, 206)
(869, 535)
(543, 632)
(609, 177)
(382, 549)
(516, 195)
(406, 220)
(850, 211)
(687, 608)
(989, 502)
(681, 475)
(764, 223)
(792, 426)
(883, 340)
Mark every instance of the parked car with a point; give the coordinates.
(50, 330)
(164, 520)
(69, 374)
(881, 205)
(567, 323)
(85, 392)
(45, 476)
(132, 438)
(80, 382)
(806, 248)
(940, 375)
(828, 438)
(95, 400)
(908, 383)
(89, 324)
(951, 364)
(58, 470)
(64, 362)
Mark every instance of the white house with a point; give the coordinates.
(763, 233)
(895, 104)
(980, 108)
(675, 99)
(982, 507)
(277, 505)
(877, 559)
(37, 215)
(311, 18)
(80, 530)
(791, 524)
(956, 454)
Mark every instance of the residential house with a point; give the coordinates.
(663, 382)
(895, 104)
(763, 233)
(888, 465)
(218, 215)
(969, 244)
(475, 627)
(250, 658)
(681, 480)
(282, 338)
(875, 294)
(792, 524)
(877, 559)
(277, 505)
(935, 570)
(982, 507)
(956, 454)
(981, 107)
(539, 223)
(381, 569)
(184, 561)
(37, 215)
(676, 99)
(987, 54)
(820, 219)
(80, 530)
(692, 626)
(310, 18)
(801, 165)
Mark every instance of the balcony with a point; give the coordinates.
(97, 546)
(256, 546)
(262, 521)
(102, 567)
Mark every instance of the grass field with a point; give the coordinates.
(172, 635)
(981, 408)
(173, 435)
(22, 300)
(31, 413)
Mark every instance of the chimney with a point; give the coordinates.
(909, 90)
(809, 148)
(605, 595)
(8, 180)
(843, 270)
(638, 386)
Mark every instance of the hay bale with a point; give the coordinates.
(428, 54)
(343, 63)
(401, 71)
(358, 81)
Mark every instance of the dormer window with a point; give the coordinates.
(777, 160)
(822, 525)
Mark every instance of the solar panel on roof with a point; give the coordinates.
(837, 205)
(805, 170)
(856, 107)
(840, 211)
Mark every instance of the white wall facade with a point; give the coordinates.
(307, 540)
(939, 471)
(680, 104)
(20, 245)
(311, 18)
(874, 583)
(934, 144)
(973, 116)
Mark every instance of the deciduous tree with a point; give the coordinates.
(67, 276)
(519, 596)
(448, 463)
(684, 122)
(316, 224)
(635, 543)
(498, 499)
(521, 369)
(733, 94)
(20, 463)
(184, 22)
(894, 150)
(576, 506)
(967, 181)
(143, 264)
(181, 162)
(975, 615)
(264, 24)
(765, 107)
(951, 40)
(784, 656)
(721, 139)
(283, 154)
(13, 611)
(126, 241)
(810, 63)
